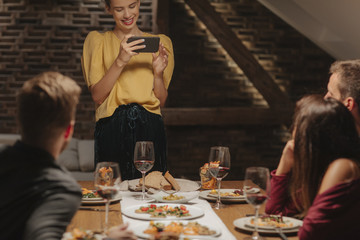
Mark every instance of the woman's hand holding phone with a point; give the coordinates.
(132, 45)
(127, 49)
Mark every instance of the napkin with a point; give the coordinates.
(124, 185)
(210, 218)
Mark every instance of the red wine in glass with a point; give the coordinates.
(144, 158)
(256, 178)
(106, 181)
(223, 172)
(108, 193)
(256, 199)
(219, 172)
(219, 167)
(143, 165)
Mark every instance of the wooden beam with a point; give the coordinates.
(154, 14)
(162, 16)
(225, 116)
(239, 53)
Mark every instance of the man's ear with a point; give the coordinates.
(350, 103)
(69, 130)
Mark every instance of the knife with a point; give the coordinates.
(282, 235)
(97, 209)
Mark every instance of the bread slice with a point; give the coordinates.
(172, 181)
(156, 180)
(165, 184)
(152, 180)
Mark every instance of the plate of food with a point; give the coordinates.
(162, 212)
(183, 229)
(156, 181)
(179, 197)
(268, 223)
(77, 233)
(226, 195)
(271, 221)
(92, 197)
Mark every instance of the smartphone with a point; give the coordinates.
(151, 43)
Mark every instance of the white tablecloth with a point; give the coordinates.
(210, 218)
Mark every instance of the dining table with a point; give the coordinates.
(91, 217)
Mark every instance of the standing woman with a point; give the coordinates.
(128, 89)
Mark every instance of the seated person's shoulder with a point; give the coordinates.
(61, 177)
(94, 39)
(95, 34)
(341, 170)
(165, 40)
(164, 37)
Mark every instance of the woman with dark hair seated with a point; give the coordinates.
(318, 176)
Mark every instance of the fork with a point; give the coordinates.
(279, 231)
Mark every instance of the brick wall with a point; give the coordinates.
(37, 36)
(205, 76)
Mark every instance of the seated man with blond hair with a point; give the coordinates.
(40, 197)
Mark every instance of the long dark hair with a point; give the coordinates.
(324, 131)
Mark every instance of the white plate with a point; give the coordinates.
(212, 197)
(253, 190)
(205, 195)
(243, 223)
(185, 185)
(187, 197)
(288, 220)
(92, 199)
(88, 201)
(140, 228)
(195, 212)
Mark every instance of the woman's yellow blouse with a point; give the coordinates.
(135, 84)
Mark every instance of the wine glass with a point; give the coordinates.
(219, 167)
(256, 189)
(107, 180)
(143, 160)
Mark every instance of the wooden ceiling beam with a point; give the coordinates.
(225, 116)
(239, 53)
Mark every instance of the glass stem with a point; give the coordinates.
(255, 234)
(218, 199)
(143, 186)
(106, 215)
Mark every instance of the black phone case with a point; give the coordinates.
(152, 43)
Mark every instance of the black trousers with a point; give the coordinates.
(115, 138)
